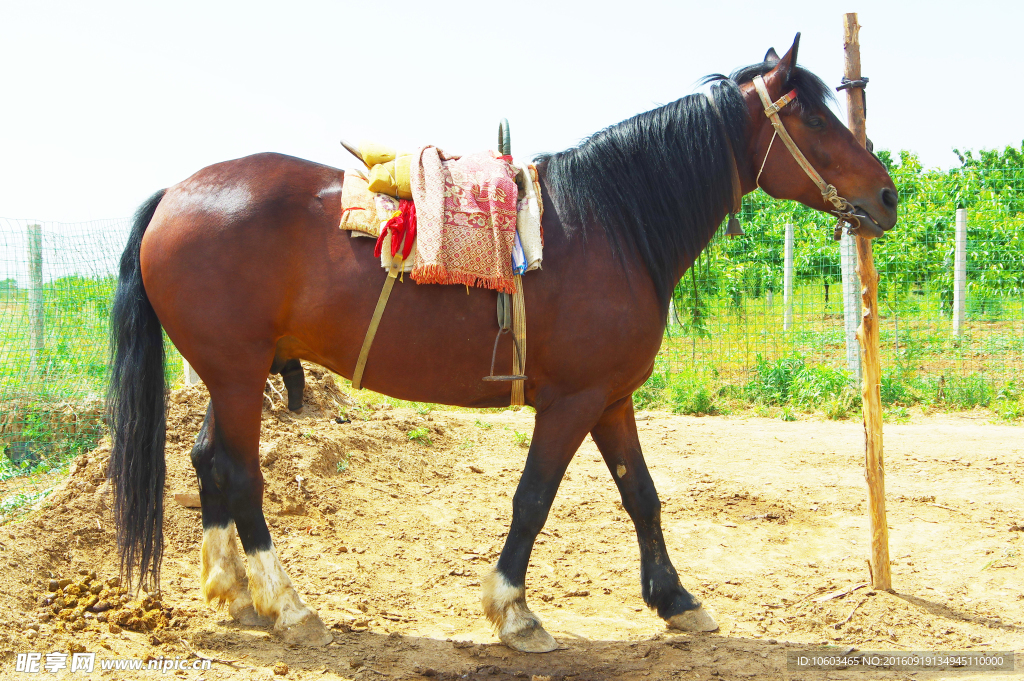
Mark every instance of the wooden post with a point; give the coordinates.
(960, 272)
(35, 296)
(868, 336)
(787, 280)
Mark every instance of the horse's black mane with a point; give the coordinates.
(659, 182)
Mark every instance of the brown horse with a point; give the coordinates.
(245, 268)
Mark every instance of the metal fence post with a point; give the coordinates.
(35, 296)
(960, 272)
(787, 281)
(851, 302)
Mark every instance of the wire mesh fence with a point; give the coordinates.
(736, 332)
(56, 285)
(732, 331)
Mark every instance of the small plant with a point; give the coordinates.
(20, 502)
(651, 394)
(521, 439)
(424, 408)
(967, 392)
(342, 466)
(787, 414)
(1007, 409)
(421, 435)
(898, 414)
(694, 400)
(483, 424)
(839, 407)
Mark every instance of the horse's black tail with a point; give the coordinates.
(136, 413)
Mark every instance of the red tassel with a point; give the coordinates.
(402, 227)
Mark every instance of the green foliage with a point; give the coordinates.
(838, 407)
(421, 435)
(19, 502)
(965, 392)
(916, 256)
(784, 380)
(690, 398)
(521, 439)
(651, 394)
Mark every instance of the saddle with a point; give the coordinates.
(478, 224)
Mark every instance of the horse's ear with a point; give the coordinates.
(771, 56)
(788, 61)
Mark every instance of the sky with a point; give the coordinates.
(106, 102)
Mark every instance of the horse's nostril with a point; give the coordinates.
(889, 198)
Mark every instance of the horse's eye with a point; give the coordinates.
(816, 122)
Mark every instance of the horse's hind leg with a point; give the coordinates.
(616, 437)
(235, 470)
(558, 433)
(222, 574)
(294, 381)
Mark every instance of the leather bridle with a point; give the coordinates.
(843, 209)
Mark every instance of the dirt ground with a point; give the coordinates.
(388, 535)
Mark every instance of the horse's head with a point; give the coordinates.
(830, 150)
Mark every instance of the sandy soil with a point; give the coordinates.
(389, 537)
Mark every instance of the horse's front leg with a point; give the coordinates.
(615, 435)
(558, 432)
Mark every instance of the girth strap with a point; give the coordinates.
(519, 331)
(371, 331)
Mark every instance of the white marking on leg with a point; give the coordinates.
(221, 574)
(620, 470)
(516, 626)
(505, 604)
(272, 590)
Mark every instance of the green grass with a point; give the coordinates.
(748, 361)
(786, 386)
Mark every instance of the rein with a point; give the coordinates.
(842, 208)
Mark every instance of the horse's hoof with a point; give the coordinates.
(309, 631)
(246, 615)
(693, 620)
(530, 639)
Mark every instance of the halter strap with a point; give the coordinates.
(843, 208)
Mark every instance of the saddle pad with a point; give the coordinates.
(466, 219)
(364, 211)
(359, 211)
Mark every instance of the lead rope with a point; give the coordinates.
(758, 180)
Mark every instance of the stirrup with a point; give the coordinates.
(504, 326)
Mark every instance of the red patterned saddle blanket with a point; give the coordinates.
(472, 223)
